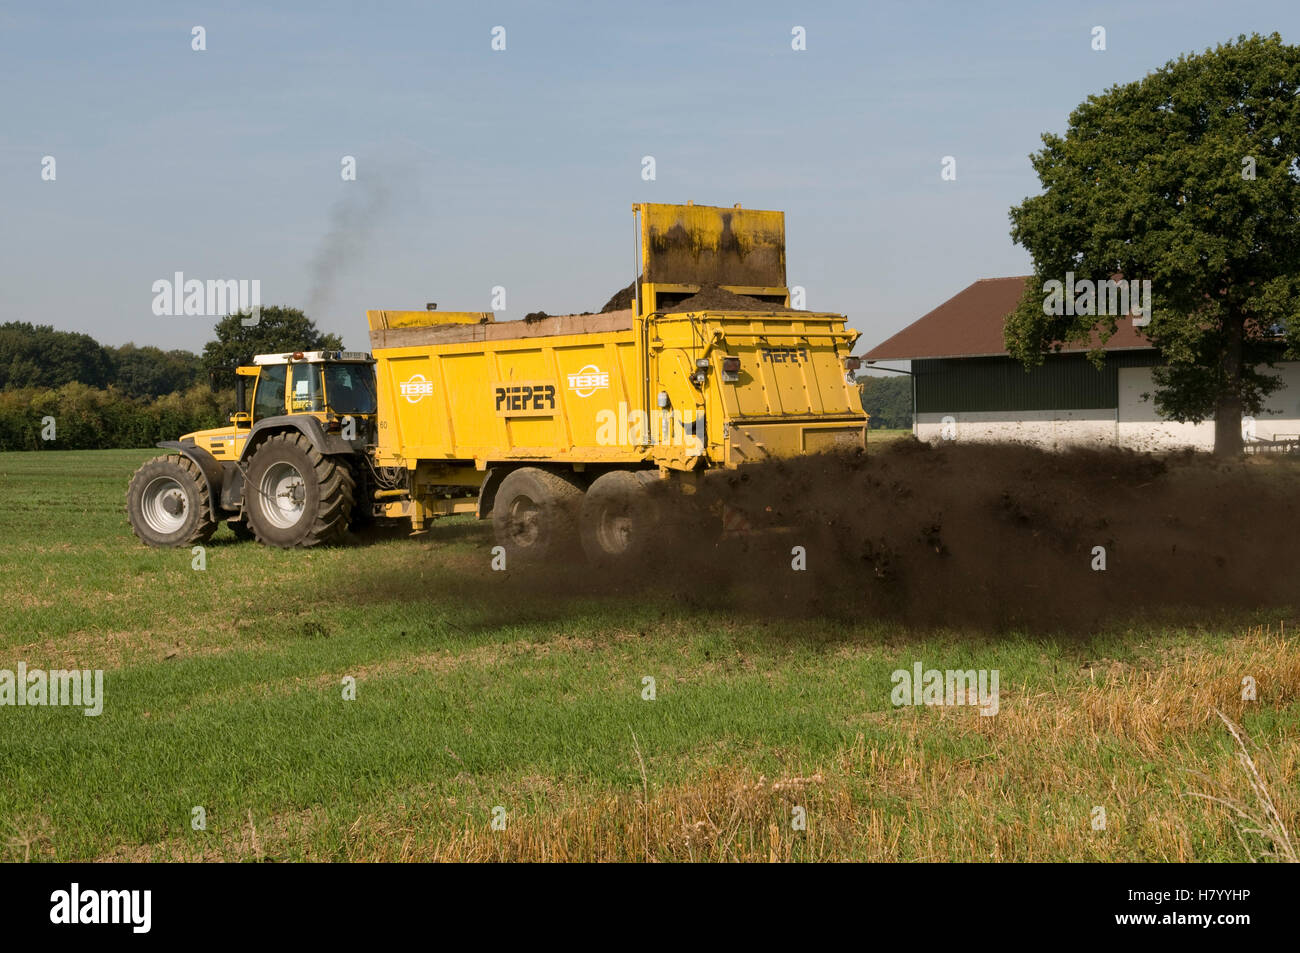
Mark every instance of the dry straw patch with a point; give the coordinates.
(1143, 743)
(111, 651)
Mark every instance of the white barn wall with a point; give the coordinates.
(1135, 424)
(1139, 426)
(1052, 429)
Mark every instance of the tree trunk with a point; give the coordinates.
(1227, 427)
(1227, 411)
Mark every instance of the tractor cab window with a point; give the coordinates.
(308, 390)
(351, 388)
(268, 399)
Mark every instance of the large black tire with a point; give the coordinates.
(296, 496)
(535, 515)
(622, 520)
(363, 513)
(168, 504)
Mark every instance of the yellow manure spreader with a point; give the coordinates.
(555, 428)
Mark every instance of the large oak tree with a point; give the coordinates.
(1189, 178)
(278, 329)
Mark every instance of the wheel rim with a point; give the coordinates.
(614, 530)
(165, 505)
(284, 495)
(524, 522)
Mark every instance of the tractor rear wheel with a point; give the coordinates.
(621, 518)
(167, 502)
(535, 514)
(296, 496)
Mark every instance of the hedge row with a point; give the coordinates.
(86, 418)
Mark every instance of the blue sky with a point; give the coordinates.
(518, 168)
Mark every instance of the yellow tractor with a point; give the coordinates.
(287, 471)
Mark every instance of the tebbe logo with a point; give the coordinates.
(589, 380)
(416, 388)
(785, 355)
(524, 399)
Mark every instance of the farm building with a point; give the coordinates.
(967, 387)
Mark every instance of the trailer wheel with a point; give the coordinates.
(621, 519)
(296, 496)
(535, 513)
(167, 502)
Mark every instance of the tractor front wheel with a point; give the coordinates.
(167, 502)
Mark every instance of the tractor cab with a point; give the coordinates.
(335, 387)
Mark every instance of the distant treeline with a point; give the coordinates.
(86, 396)
(78, 417)
(888, 400)
(63, 390)
(36, 355)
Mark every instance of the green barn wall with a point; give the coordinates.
(1061, 382)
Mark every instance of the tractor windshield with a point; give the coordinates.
(350, 388)
(306, 391)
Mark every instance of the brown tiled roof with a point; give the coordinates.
(969, 324)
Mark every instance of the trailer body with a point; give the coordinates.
(462, 402)
(616, 389)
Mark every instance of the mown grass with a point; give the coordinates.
(224, 690)
(884, 435)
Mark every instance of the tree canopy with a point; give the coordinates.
(278, 329)
(1188, 178)
(36, 355)
(152, 372)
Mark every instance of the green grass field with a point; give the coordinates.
(224, 690)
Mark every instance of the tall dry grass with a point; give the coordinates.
(1122, 737)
